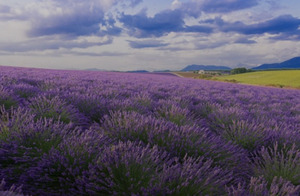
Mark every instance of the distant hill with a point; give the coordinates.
(94, 69)
(293, 63)
(138, 71)
(205, 67)
(159, 71)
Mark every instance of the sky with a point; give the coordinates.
(125, 35)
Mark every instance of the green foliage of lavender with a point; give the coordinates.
(104, 133)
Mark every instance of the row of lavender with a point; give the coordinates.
(101, 133)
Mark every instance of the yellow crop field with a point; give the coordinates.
(280, 78)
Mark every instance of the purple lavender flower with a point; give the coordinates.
(7, 99)
(11, 191)
(283, 162)
(179, 141)
(127, 169)
(259, 186)
(222, 118)
(60, 129)
(249, 135)
(61, 170)
(56, 109)
(25, 91)
(23, 141)
(195, 177)
(173, 113)
(92, 106)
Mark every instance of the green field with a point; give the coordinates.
(280, 78)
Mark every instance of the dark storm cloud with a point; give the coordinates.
(69, 18)
(162, 23)
(284, 23)
(194, 8)
(198, 29)
(140, 25)
(285, 26)
(224, 6)
(79, 24)
(73, 20)
(147, 44)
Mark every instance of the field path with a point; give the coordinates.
(176, 74)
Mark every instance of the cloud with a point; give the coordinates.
(56, 24)
(79, 24)
(10, 13)
(140, 25)
(131, 3)
(76, 18)
(176, 4)
(63, 25)
(224, 6)
(69, 17)
(73, 18)
(162, 23)
(245, 41)
(293, 36)
(94, 54)
(284, 23)
(194, 8)
(198, 29)
(284, 26)
(42, 44)
(4, 9)
(210, 45)
(147, 44)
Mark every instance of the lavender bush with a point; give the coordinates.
(106, 133)
(281, 162)
(127, 168)
(11, 191)
(24, 141)
(195, 177)
(179, 141)
(249, 135)
(259, 186)
(7, 99)
(56, 109)
(61, 170)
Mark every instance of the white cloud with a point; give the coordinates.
(176, 4)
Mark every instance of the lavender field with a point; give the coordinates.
(102, 133)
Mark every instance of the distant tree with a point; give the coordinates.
(240, 70)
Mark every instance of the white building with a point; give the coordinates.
(201, 72)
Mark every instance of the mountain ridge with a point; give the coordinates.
(293, 63)
(204, 67)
